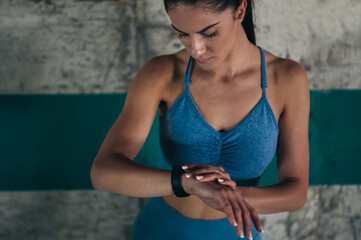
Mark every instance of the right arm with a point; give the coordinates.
(113, 168)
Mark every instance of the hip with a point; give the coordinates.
(158, 220)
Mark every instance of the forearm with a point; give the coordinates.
(287, 196)
(119, 174)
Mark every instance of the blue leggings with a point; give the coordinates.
(158, 220)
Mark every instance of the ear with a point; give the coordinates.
(241, 11)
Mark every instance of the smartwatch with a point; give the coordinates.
(176, 174)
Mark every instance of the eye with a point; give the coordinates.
(207, 36)
(210, 35)
(182, 35)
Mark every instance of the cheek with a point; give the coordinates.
(185, 43)
(229, 36)
(229, 40)
(224, 42)
(225, 39)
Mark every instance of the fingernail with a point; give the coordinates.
(250, 236)
(220, 180)
(241, 235)
(199, 177)
(188, 175)
(235, 223)
(262, 229)
(184, 167)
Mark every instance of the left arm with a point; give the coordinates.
(242, 203)
(290, 194)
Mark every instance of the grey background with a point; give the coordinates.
(98, 46)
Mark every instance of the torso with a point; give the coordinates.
(223, 105)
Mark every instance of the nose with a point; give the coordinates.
(198, 47)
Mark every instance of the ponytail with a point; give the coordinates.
(247, 22)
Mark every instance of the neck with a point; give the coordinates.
(236, 61)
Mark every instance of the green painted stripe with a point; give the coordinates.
(335, 132)
(334, 139)
(50, 141)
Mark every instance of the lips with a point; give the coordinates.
(204, 60)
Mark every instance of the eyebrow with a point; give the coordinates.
(203, 30)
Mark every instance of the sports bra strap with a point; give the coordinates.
(263, 69)
(188, 72)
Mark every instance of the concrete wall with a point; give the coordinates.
(98, 46)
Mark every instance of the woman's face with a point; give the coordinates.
(207, 36)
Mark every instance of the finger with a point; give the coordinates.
(228, 210)
(215, 177)
(200, 170)
(208, 177)
(185, 167)
(204, 167)
(237, 213)
(203, 177)
(255, 218)
(203, 171)
(247, 227)
(194, 166)
(230, 183)
(189, 175)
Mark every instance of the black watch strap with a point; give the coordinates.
(176, 173)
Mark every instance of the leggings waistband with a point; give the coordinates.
(158, 220)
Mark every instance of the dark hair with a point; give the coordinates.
(219, 6)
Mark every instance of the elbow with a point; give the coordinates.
(95, 177)
(300, 202)
(97, 172)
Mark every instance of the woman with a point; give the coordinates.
(218, 123)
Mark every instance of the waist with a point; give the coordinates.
(193, 207)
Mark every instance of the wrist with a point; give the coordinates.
(242, 190)
(186, 183)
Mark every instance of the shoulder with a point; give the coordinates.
(165, 66)
(291, 80)
(160, 71)
(286, 71)
(153, 76)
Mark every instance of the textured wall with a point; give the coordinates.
(97, 46)
(68, 46)
(331, 212)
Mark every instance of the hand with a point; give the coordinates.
(209, 173)
(239, 212)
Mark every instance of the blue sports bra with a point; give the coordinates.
(243, 151)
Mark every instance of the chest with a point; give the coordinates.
(244, 150)
(224, 105)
